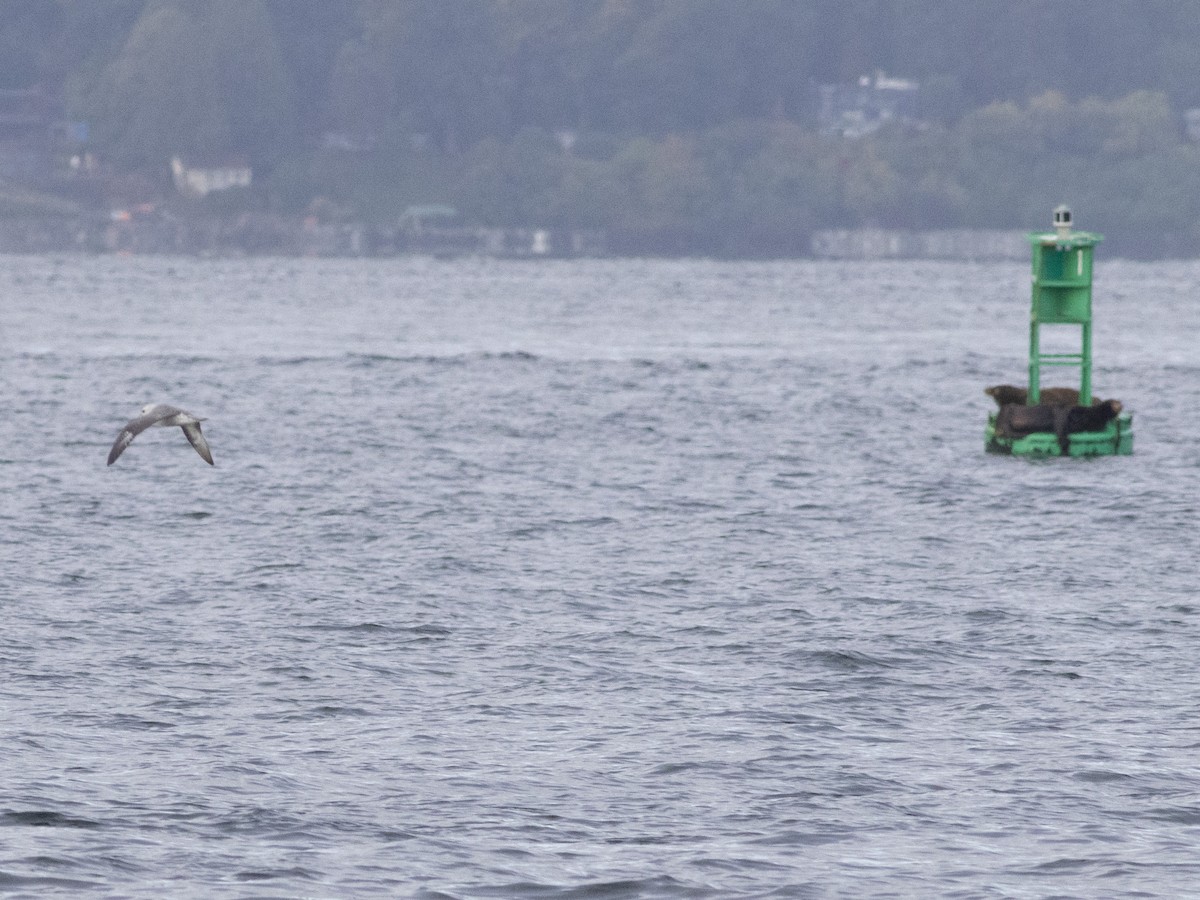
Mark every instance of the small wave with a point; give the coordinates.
(275, 874)
(662, 886)
(46, 819)
(8, 880)
(425, 632)
(842, 660)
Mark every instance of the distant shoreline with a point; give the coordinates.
(256, 234)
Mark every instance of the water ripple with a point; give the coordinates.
(600, 579)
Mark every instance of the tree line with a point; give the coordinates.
(674, 124)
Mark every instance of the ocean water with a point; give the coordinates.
(604, 579)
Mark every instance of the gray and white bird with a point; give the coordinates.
(160, 414)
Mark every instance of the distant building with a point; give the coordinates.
(200, 181)
(856, 110)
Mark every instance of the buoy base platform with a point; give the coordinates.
(1115, 440)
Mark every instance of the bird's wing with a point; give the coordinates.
(196, 439)
(134, 427)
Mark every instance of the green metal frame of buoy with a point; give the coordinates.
(1062, 295)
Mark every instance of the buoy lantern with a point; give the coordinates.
(1057, 421)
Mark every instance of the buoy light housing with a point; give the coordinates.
(1062, 222)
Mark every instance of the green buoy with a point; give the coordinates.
(1040, 422)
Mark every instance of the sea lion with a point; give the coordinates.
(1006, 393)
(1017, 420)
(1057, 396)
(1087, 418)
(1092, 418)
(1051, 396)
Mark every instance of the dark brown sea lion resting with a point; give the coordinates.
(1052, 396)
(1092, 418)
(1006, 393)
(1016, 420)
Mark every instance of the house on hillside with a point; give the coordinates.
(856, 110)
(202, 180)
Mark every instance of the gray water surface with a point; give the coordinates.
(588, 579)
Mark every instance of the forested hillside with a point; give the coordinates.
(679, 124)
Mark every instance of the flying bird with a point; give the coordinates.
(160, 414)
